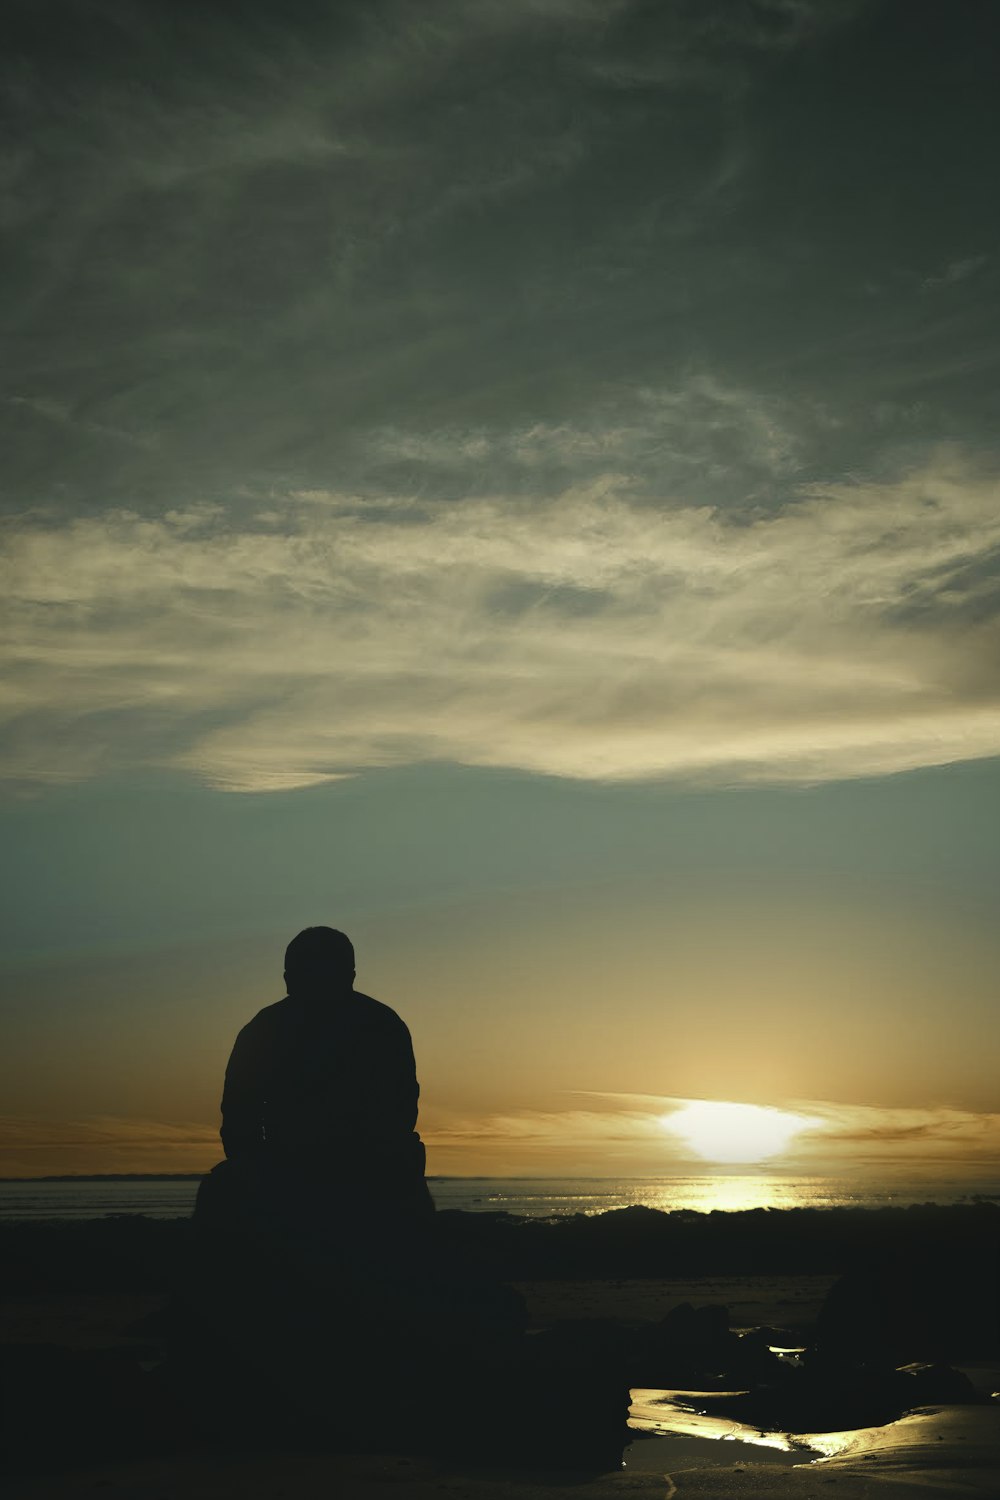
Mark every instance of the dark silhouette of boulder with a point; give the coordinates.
(924, 1304)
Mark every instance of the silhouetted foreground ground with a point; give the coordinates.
(632, 1297)
(130, 1253)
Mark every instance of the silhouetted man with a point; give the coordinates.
(321, 1089)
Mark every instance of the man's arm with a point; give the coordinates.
(403, 1091)
(244, 1094)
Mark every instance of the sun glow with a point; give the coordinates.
(736, 1132)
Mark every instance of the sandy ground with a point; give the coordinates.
(789, 1302)
(103, 1320)
(951, 1451)
(98, 1320)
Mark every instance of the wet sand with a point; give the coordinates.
(947, 1449)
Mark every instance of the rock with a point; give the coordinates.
(939, 1304)
(926, 1384)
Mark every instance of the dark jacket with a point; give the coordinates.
(325, 1082)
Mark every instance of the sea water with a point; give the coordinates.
(711, 1192)
(535, 1197)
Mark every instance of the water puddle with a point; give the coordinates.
(671, 1432)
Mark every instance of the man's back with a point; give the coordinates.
(322, 1087)
(315, 1079)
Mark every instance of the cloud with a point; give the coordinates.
(60, 415)
(587, 635)
(625, 1136)
(103, 1143)
(240, 243)
(547, 1129)
(632, 1133)
(244, 241)
(595, 1133)
(703, 431)
(939, 1133)
(955, 271)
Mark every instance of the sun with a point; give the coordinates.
(736, 1132)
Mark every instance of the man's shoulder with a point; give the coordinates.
(274, 1019)
(377, 1013)
(268, 1018)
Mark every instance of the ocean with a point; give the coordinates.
(536, 1197)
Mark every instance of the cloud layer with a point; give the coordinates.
(489, 384)
(586, 635)
(239, 241)
(600, 1135)
(106, 1143)
(632, 1133)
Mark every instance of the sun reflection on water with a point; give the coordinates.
(735, 1190)
(730, 1194)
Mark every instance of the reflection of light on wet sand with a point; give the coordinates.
(915, 1438)
(670, 1413)
(950, 1449)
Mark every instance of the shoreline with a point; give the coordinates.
(80, 1196)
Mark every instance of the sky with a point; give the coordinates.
(518, 481)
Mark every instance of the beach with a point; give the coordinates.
(941, 1453)
(81, 1327)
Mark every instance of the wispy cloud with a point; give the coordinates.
(955, 271)
(701, 432)
(103, 1143)
(243, 242)
(626, 1132)
(592, 1134)
(60, 414)
(589, 635)
(940, 1133)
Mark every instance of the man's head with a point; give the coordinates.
(318, 960)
